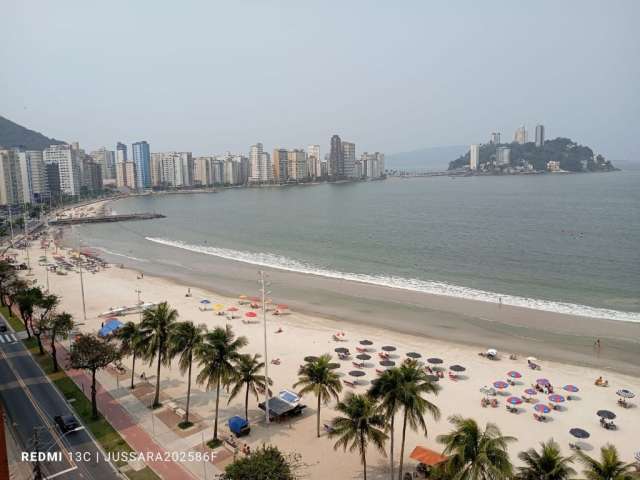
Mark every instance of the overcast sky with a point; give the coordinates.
(391, 76)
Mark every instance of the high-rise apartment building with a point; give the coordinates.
(107, 160)
(503, 156)
(474, 156)
(11, 188)
(280, 165)
(69, 166)
(297, 164)
(314, 161)
(372, 165)
(202, 171)
(142, 160)
(348, 160)
(126, 175)
(495, 138)
(336, 160)
(520, 135)
(34, 176)
(121, 153)
(539, 135)
(261, 168)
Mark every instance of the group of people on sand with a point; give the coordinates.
(601, 382)
(548, 388)
(485, 402)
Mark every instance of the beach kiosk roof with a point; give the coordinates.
(278, 408)
(109, 327)
(239, 426)
(427, 456)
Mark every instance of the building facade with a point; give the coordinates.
(126, 175)
(474, 156)
(336, 161)
(520, 136)
(280, 165)
(297, 164)
(142, 160)
(261, 168)
(539, 135)
(69, 167)
(314, 161)
(107, 160)
(121, 153)
(11, 189)
(495, 138)
(348, 160)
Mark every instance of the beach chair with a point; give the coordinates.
(361, 350)
(453, 376)
(349, 383)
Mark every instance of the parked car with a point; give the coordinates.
(66, 423)
(3, 327)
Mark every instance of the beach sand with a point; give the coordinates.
(469, 326)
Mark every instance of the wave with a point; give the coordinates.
(109, 252)
(413, 284)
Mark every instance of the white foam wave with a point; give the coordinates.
(122, 255)
(413, 284)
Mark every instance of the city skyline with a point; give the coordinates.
(404, 94)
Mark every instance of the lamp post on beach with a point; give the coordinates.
(84, 308)
(266, 359)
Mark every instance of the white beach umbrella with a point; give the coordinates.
(493, 352)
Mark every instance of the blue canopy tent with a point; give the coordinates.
(109, 327)
(239, 426)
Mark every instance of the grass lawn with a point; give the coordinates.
(15, 322)
(108, 438)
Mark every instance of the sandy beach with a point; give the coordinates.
(564, 347)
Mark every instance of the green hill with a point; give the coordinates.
(14, 135)
(572, 156)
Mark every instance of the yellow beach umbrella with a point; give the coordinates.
(218, 306)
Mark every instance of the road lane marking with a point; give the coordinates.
(61, 473)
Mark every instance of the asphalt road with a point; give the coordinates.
(31, 401)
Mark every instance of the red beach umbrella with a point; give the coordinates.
(514, 374)
(542, 408)
(500, 384)
(251, 314)
(232, 309)
(514, 400)
(556, 398)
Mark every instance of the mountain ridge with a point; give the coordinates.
(16, 135)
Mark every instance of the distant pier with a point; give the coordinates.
(105, 219)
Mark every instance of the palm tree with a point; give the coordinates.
(475, 454)
(609, 467)
(361, 424)
(156, 325)
(132, 340)
(58, 326)
(319, 378)
(388, 389)
(184, 340)
(217, 355)
(548, 464)
(415, 384)
(248, 373)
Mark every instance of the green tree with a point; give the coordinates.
(608, 467)
(26, 301)
(14, 288)
(476, 454)
(59, 326)
(7, 275)
(132, 342)
(361, 424)
(415, 385)
(266, 463)
(388, 389)
(318, 378)
(44, 308)
(91, 353)
(547, 464)
(185, 339)
(248, 370)
(217, 355)
(156, 326)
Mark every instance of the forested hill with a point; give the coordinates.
(14, 135)
(572, 157)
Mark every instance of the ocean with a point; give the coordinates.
(560, 243)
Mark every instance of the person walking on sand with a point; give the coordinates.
(499, 302)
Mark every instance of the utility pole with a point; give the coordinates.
(37, 469)
(266, 358)
(84, 308)
(11, 223)
(26, 242)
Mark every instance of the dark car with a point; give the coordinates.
(3, 327)
(66, 423)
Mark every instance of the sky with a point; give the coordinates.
(214, 76)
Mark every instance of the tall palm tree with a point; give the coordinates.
(609, 467)
(248, 373)
(548, 464)
(217, 355)
(185, 339)
(59, 326)
(415, 385)
(132, 341)
(319, 378)
(388, 389)
(476, 454)
(361, 424)
(156, 327)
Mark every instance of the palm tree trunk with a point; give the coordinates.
(318, 419)
(404, 433)
(53, 352)
(94, 403)
(246, 404)
(215, 421)
(156, 400)
(364, 456)
(391, 427)
(186, 415)
(133, 369)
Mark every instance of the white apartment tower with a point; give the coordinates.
(474, 156)
(261, 168)
(68, 161)
(520, 135)
(349, 158)
(314, 160)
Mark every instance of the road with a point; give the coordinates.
(31, 401)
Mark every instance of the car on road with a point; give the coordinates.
(66, 423)
(3, 327)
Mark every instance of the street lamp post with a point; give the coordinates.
(266, 358)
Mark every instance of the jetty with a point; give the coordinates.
(105, 219)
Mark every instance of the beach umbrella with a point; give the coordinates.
(492, 352)
(500, 384)
(457, 368)
(310, 358)
(542, 408)
(514, 400)
(205, 302)
(232, 309)
(532, 359)
(606, 414)
(531, 391)
(432, 378)
(571, 388)
(388, 363)
(555, 398)
(514, 374)
(218, 306)
(414, 355)
(363, 356)
(251, 314)
(242, 297)
(333, 366)
(389, 348)
(366, 342)
(579, 433)
(434, 361)
(357, 373)
(341, 350)
(543, 381)
(254, 299)
(282, 306)
(624, 393)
